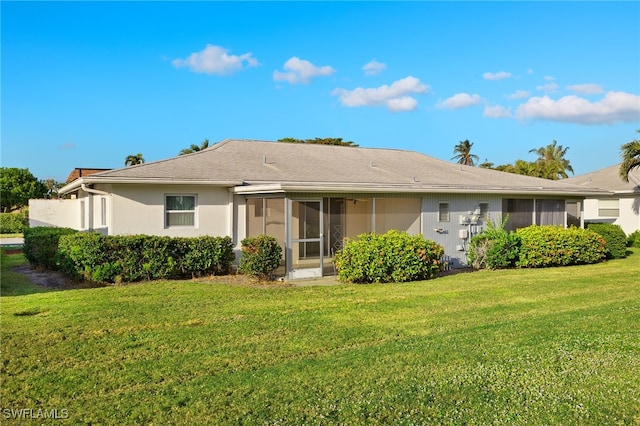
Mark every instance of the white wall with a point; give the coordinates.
(58, 213)
(140, 209)
(628, 219)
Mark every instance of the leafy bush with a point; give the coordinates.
(261, 256)
(543, 246)
(634, 239)
(41, 245)
(115, 259)
(494, 248)
(12, 223)
(615, 237)
(391, 257)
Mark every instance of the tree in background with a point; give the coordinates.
(463, 153)
(520, 167)
(320, 141)
(195, 148)
(552, 163)
(133, 160)
(630, 153)
(52, 187)
(17, 186)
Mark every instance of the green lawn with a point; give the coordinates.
(554, 346)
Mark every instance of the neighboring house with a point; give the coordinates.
(79, 172)
(621, 206)
(312, 197)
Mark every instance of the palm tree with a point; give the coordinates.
(464, 155)
(630, 153)
(132, 160)
(195, 148)
(551, 161)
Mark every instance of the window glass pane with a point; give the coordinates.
(180, 219)
(609, 208)
(181, 202)
(443, 212)
(484, 211)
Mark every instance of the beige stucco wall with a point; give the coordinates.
(140, 209)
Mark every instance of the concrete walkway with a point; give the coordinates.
(13, 241)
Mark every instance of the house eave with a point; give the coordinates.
(77, 184)
(262, 188)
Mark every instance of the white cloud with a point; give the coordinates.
(614, 107)
(497, 111)
(395, 97)
(519, 94)
(547, 88)
(301, 71)
(215, 60)
(586, 89)
(497, 75)
(374, 67)
(460, 100)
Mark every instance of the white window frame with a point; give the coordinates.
(609, 207)
(167, 212)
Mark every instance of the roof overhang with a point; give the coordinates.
(283, 187)
(90, 180)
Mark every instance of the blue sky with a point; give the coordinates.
(84, 84)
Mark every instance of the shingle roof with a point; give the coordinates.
(248, 162)
(609, 179)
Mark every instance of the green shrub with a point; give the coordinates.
(494, 248)
(544, 246)
(633, 240)
(261, 256)
(615, 238)
(12, 223)
(391, 257)
(41, 245)
(116, 259)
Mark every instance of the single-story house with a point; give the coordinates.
(312, 197)
(621, 206)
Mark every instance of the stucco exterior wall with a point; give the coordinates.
(628, 218)
(58, 213)
(140, 209)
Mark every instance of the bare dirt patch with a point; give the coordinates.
(50, 279)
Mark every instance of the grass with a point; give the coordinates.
(548, 347)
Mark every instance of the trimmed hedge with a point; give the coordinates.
(261, 256)
(12, 223)
(634, 239)
(391, 257)
(615, 237)
(41, 245)
(494, 248)
(116, 259)
(544, 246)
